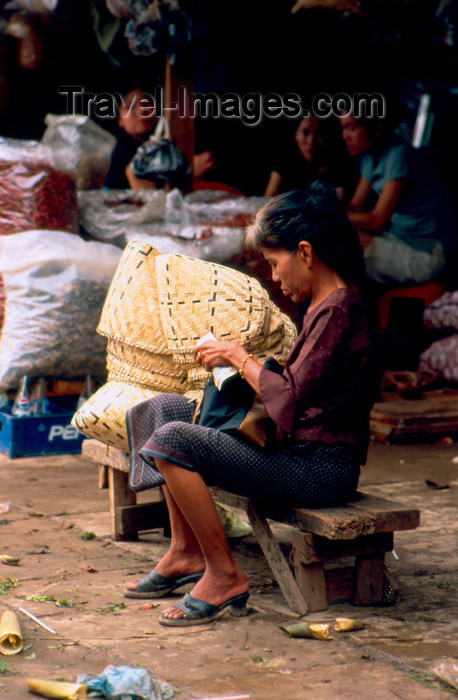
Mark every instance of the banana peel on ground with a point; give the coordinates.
(309, 630)
(322, 630)
(347, 624)
(58, 690)
(7, 559)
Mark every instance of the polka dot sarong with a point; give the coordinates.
(310, 474)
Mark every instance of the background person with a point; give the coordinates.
(315, 152)
(137, 120)
(400, 206)
(320, 400)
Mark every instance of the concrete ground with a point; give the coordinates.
(54, 502)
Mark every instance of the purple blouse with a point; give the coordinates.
(327, 387)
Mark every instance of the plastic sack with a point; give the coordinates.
(80, 148)
(441, 358)
(33, 194)
(127, 683)
(215, 244)
(443, 312)
(158, 27)
(222, 208)
(159, 160)
(181, 232)
(56, 285)
(104, 214)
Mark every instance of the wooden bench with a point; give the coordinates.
(362, 529)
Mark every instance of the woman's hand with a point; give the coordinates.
(219, 353)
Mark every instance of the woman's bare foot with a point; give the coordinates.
(214, 588)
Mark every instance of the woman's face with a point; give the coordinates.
(290, 271)
(308, 139)
(355, 136)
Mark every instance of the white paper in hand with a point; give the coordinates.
(220, 374)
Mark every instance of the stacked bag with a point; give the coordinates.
(442, 355)
(157, 308)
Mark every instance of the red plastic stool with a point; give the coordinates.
(427, 293)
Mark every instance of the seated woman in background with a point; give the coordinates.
(314, 153)
(408, 231)
(319, 400)
(137, 121)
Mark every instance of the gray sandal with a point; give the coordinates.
(154, 585)
(199, 612)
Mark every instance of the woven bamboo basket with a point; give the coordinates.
(159, 381)
(163, 304)
(144, 359)
(197, 297)
(131, 310)
(157, 308)
(103, 415)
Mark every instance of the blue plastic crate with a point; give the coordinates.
(32, 436)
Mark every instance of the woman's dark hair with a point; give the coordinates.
(316, 215)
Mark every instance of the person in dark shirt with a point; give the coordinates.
(319, 401)
(136, 121)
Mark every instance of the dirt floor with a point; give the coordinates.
(55, 501)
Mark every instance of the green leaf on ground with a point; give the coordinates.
(88, 536)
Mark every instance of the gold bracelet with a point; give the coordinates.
(243, 365)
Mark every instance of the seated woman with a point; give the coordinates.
(320, 400)
(315, 153)
(408, 232)
(137, 121)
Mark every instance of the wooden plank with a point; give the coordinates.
(334, 523)
(309, 549)
(340, 523)
(98, 452)
(424, 419)
(413, 410)
(277, 562)
(389, 516)
(231, 500)
(132, 519)
(364, 516)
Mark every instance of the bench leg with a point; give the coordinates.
(103, 476)
(368, 579)
(312, 584)
(277, 562)
(362, 583)
(120, 495)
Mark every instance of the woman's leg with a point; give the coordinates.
(184, 555)
(223, 578)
